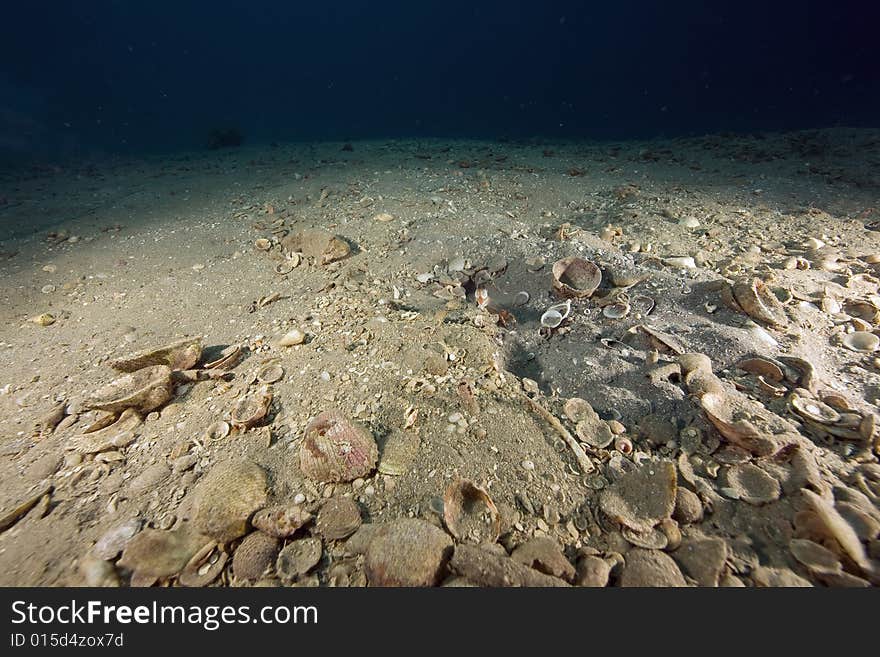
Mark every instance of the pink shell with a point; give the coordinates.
(334, 449)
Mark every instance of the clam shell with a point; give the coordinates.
(653, 539)
(556, 314)
(179, 355)
(338, 518)
(575, 277)
(577, 409)
(252, 409)
(816, 558)
(281, 521)
(217, 431)
(226, 497)
(470, 514)
(256, 554)
(143, 391)
(263, 244)
(617, 310)
(201, 570)
(335, 449)
(521, 298)
(861, 341)
(270, 373)
(285, 266)
(298, 558)
(759, 302)
(407, 552)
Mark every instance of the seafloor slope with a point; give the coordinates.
(754, 464)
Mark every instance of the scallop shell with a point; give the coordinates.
(577, 409)
(179, 355)
(256, 554)
(575, 277)
(226, 497)
(144, 390)
(252, 409)
(759, 302)
(617, 310)
(407, 552)
(271, 373)
(470, 514)
(338, 518)
(298, 558)
(281, 521)
(335, 449)
(861, 341)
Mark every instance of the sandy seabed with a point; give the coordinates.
(755, 464)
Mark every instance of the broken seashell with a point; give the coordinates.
(470, 514)
(321, 245)
(280, 521)
(118, 434)
(252, 409)
(399, 452)
(680, 262)
(764, 367)
(555, 315)
(158, 553)
(813, 409)
(335, 449)
(204, 566)
(861, 341)
(44, 319)
(726, 414)
(179, 355)
(228, 358)
(226, 497)
(144, 390)
(759, 302)
(575, 277)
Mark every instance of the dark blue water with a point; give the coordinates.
(113, 76)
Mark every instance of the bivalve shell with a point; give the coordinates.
(280, 520)
(407, 552)
(335, 449)
(338, 518)
(256, 554)
(759, 302)
(861, 341)
(470, 514)
(575, 277)
(142, 391)
(179, 355)
(226, 497)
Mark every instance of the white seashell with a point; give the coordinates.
(556, 314)
(689, 222)
(293, 337)
(680, 262)
(616, 310)
(861, 341)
